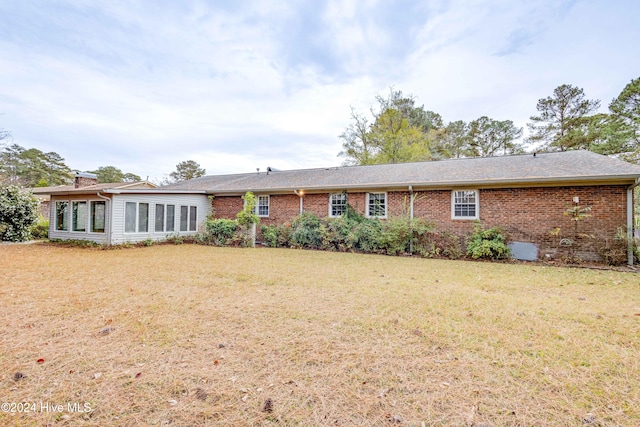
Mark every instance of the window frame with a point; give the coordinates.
(64, 216)
(75, 207)
(386, 204)
(162, 218)
(92, 221)
(345, 201)
(173, 218)
(258, 205)
(476, 204)
(193, 218)
(184, 218)
(136, 218)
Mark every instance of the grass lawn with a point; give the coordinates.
(190, 335)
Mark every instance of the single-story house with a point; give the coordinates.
(527, 195)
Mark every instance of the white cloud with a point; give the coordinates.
(249, 84)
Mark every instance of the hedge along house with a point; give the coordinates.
(527, 195)
(115, 213)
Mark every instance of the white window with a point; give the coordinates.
(262, 206)
(62, 216)
(377, 205)
(97, 215)
(79, 216)
(193, 218)
(188, 218)
(464, 204)
(184, 218)
(159, 218)
(136, 217)
(337, 204)
(171, 218)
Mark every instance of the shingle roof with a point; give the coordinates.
(571, 166)
(91, 188)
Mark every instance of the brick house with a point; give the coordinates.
(527, 195)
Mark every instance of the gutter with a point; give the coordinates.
(411, 218)
(630, 237)
(110, 202)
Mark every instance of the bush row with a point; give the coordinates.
(399, 235)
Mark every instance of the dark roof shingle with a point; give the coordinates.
(572, 166)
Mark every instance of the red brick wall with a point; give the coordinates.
(527, 214)
(226, 206)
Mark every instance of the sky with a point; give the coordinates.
(238, 85)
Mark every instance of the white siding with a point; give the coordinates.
(77, 235)
(119, 236)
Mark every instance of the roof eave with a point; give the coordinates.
(521, 182)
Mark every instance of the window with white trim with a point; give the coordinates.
(188, 218)
(377, 205)
(136, 217)
(464, 204)
(79, 216)
(337, 204)
(171, 218)
(262, 206)
(159, 218)
(97, 214)
(62, 216)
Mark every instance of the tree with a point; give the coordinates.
(399, 132)
(113, 174)
(489, 137)
(626, 108)
(31, 167)
(18, 212)
(186, 170)
(5, 135)
(558, 125)
(131, 177)
(452, 142)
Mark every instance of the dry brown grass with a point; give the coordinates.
(204, 336)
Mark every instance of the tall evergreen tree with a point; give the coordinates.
(559, 123)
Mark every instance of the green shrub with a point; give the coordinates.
(276, 236)
(306, 231)
(220, 232)
(18, 212)
(395, 236)
(40, 230)
(487, 244)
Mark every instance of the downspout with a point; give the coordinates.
(630, 236)
(109, 202)
(300, 194)
(411, 218)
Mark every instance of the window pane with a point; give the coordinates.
(130, 217)
(79, 220)
(97, 217)
(377, 204)
(171, 217)
(184, 217)
(263, 205)
(62, 216)
(338, 204)
(143, 217)
(193, 218)
(464, 204)
(159, 217)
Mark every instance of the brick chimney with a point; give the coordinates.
(85, 179)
